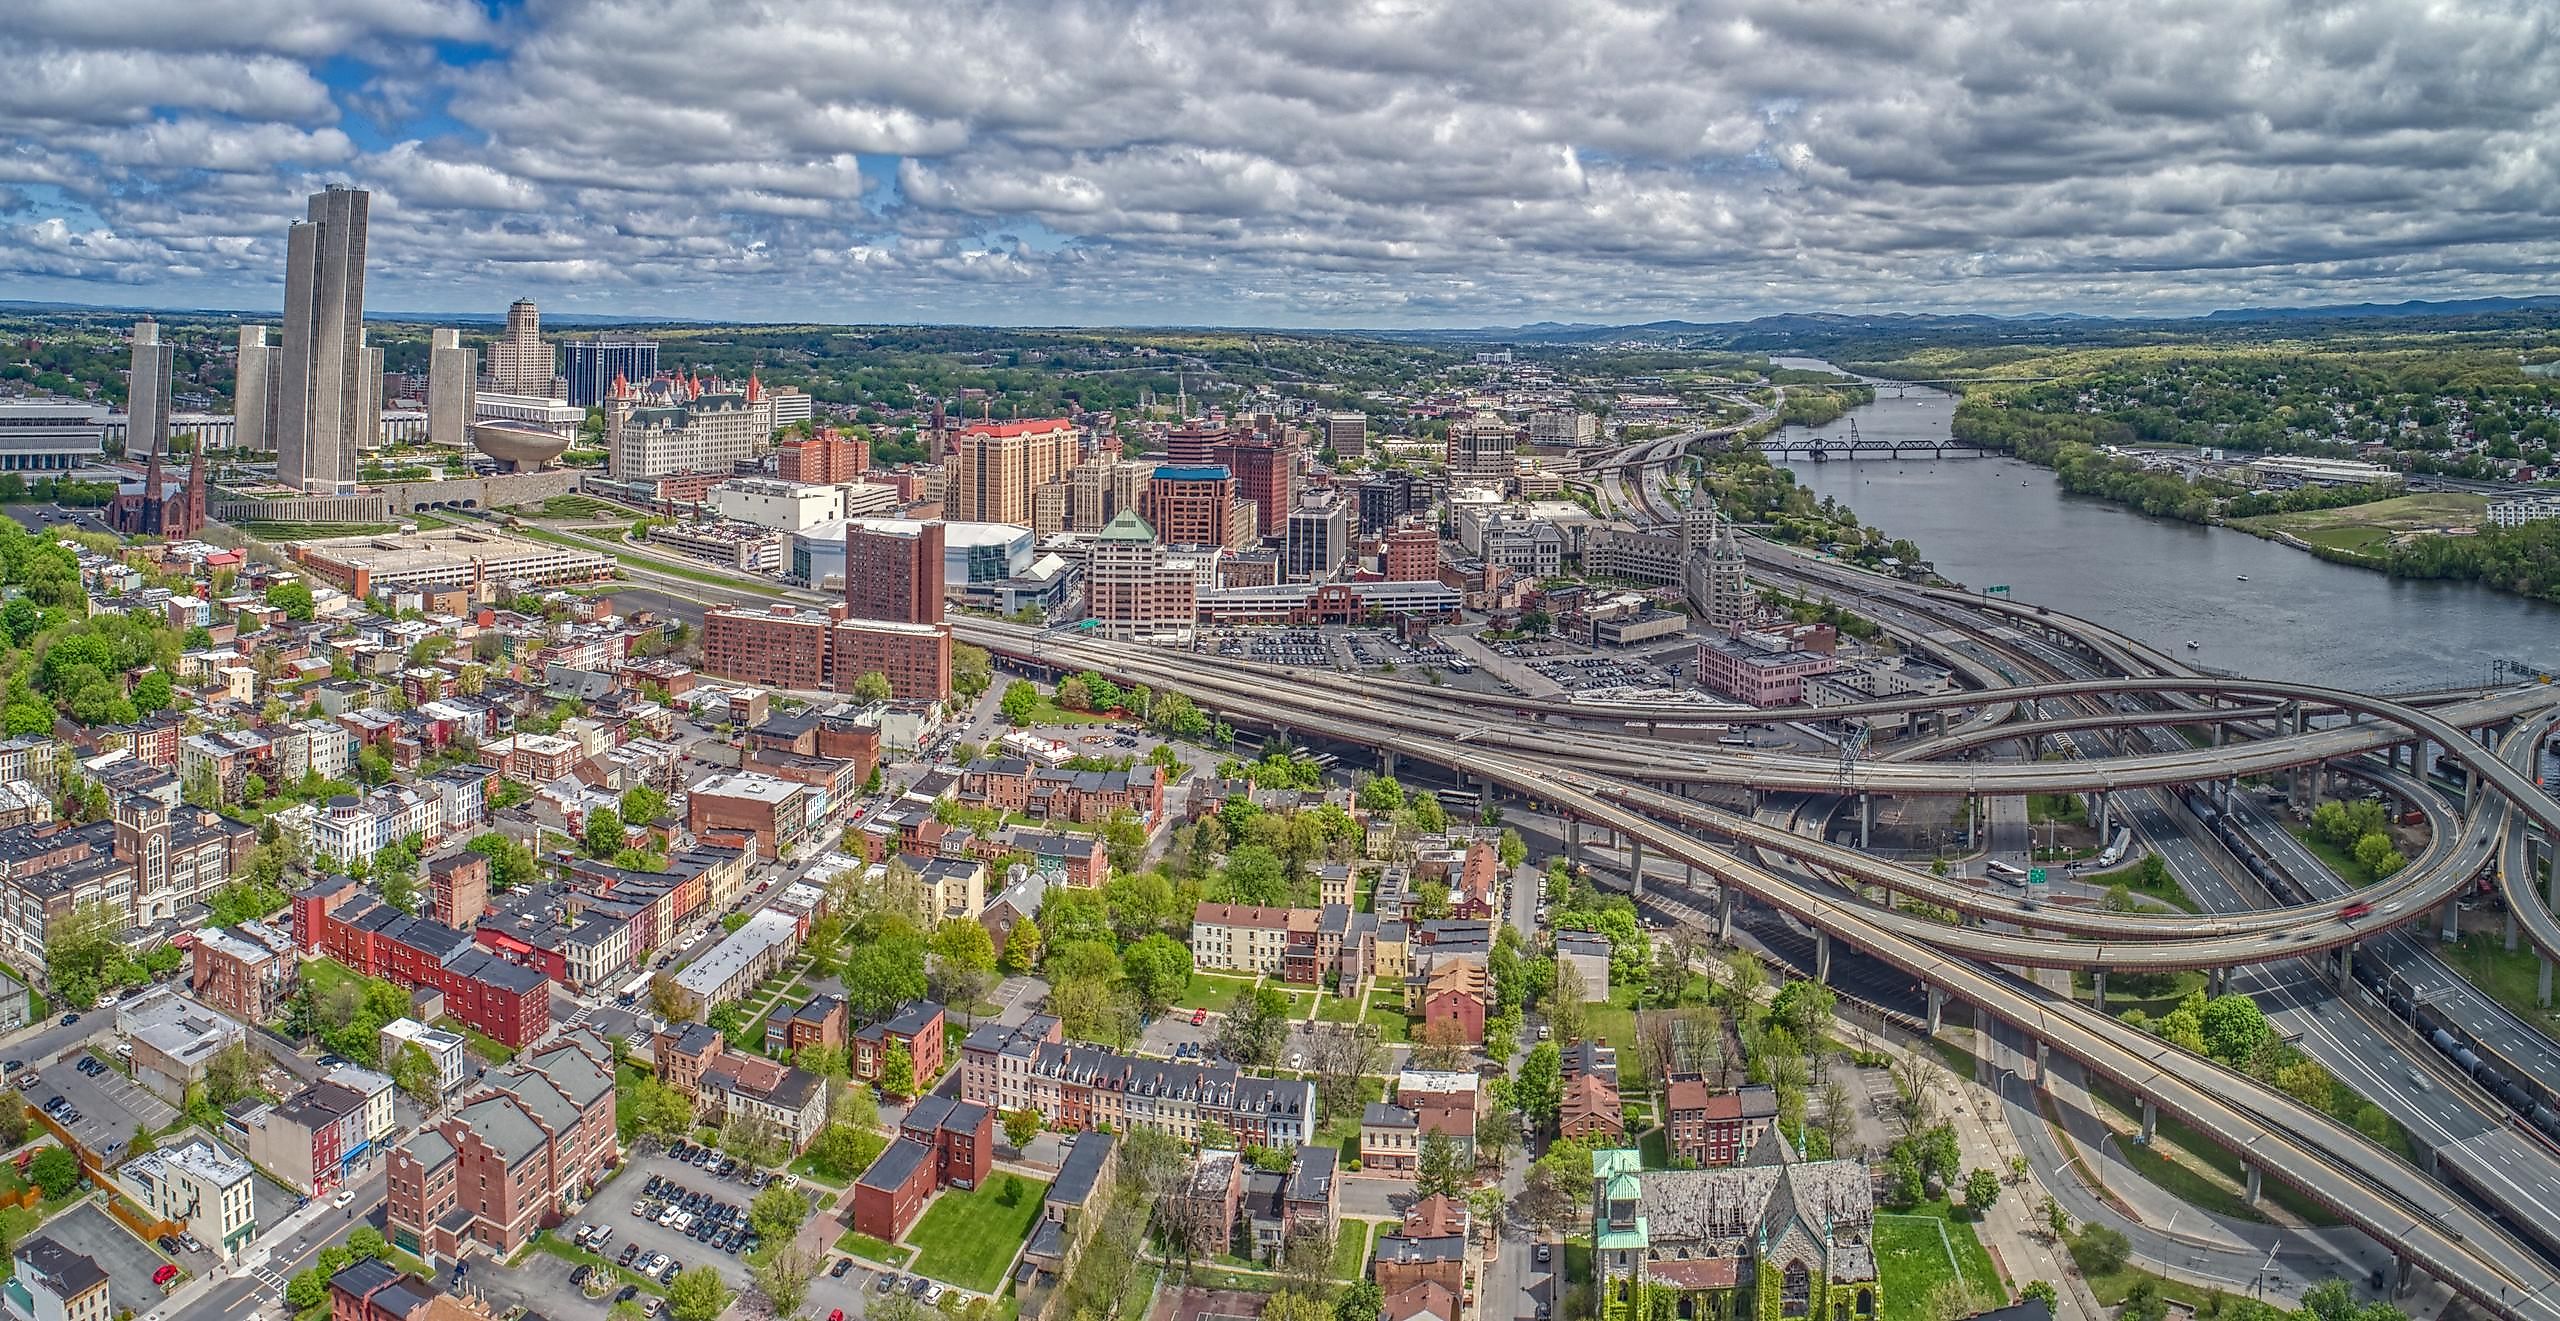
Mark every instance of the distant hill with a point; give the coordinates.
(2413, 307)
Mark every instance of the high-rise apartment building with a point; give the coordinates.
(828, 457)
(1319, 538)
(453, 390)
(1098, 490)
(1130, 590)
(1413, 555)
(322, 415)
(1563, 426)
(1482, 449)
(997, 465)
(1347, 434)
(147, 393)
(519, 362)
(1188, 506)
(255, 386)
(1265, 468)
(593, 365)
(894, 573)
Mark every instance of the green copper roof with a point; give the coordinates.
(1127, 526)
(1620, 1160)
(1609, 1240)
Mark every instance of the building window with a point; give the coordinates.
(1795, 1290)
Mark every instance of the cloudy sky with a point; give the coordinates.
(1263, 162)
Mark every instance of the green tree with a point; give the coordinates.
(2040, 1291)
(898, 1071)
(1803, 1008)
(1381, 793)
(54, 1170)
(1981, 1189)
(641, 805)
(658, 1110)
(293, 598)
(971, 671)
(602, 834)
(699, 1294)
(415, 1072)
(1159, 970)
(1020, 1126)
(1442, 1169)
(1124, 839)
(872, 686)
(2234, 1028)
(511, 864)
(306, 1290)
(1021, 947)
(1019, 701)
(2100, 1250)
(778, 1212)
(1538, 1090)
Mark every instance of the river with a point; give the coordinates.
(2001, 520)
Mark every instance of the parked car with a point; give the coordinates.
(917, 1286)
(69, 1019)
(166, 1273)
(167, 1244)
(843, 1264)
(629, 1292)
(887, 1283)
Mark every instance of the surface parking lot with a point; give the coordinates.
(110, 1106)
(128, 1261)
(612, 1207)
(1601, 672)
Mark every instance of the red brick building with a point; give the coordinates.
(788, 647)
(1710, 1128)
(892, 574)
(241, 976)
(961, 1133)
(536, 1137)
(827, 458)
(1413, 555)
(499, 999)
(917, 1025)
(1455, 995)
(892, 1193)
(1188, 506)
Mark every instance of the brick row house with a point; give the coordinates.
(1012, 784)
(500, 999)
(1075, 1087)
(941, 1143)
(535, 1138)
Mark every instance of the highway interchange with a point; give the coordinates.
(1607, 778)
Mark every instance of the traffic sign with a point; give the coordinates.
(1996, 589)
(2035, 875)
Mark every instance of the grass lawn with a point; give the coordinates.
(482, 1044)
(855, 1243)
(867, 1148)
(2509, 978)
(1342, 1131)
(2064, 808)
(2362, 527)
(1351, 1249)
(1391, 1021)
(2112, 1286)
(2120, 999)
(2194, 1169)
(1141, 1291)
(969, 1239)
(626, 1077)
(1954, 1046)
(1916, 1253)
(1213, 992)
(1335, 1009)
(1655, 1147)
(2130, 878)
(1301, 1004)
(291, 531)
(2336, 859)
(1050, 713)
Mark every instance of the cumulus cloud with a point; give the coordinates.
(1304, 161)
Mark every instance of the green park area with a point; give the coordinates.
(1212, 992)
(1918, 1253)
(969, 1238)
(2360, 529)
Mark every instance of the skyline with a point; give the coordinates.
(1124, 162)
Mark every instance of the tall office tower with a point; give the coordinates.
(146, 400)
(320, 416)
(999, 465)
(1100, 488)
(1319, 538)
(1191, 506)
(893, 571)
(1194, 444)
(453, 390)
(1265, 468)
(254, 390)
(1347, 434)
(1482, 449)
(519, 362)
(369, 412)
(592, 364)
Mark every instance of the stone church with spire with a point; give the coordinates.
(1774, 1238)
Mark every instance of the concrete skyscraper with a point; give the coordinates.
(592, 365)
(519, 362)
(453, 386)
(254, 388)
(146, 397)
(894, 571)
(320, 412)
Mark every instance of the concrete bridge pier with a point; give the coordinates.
(2150, 1121)
(1724, 912)
(2106, 814)
(1387, 762)
(1822, 956)
(2044, 1069)
(2098, 990)
(2253, 1181)
(2346, 968)
(1635, 866)
(2542, 980)
(1573, 839)
(1866, 818)
(2215, 979)
(2400, 1274)
(2216, 727)
(2453, 918)
(1938, 1007)
(1973, 822)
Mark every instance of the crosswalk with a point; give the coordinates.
(268, 1276)
(578, 1019)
